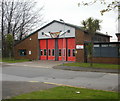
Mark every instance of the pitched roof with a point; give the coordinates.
(99, 33)
(117, 33)
(68, 24)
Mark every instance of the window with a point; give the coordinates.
(42, 33)
(73, 52)
(41, 52)
(99, 38)
(112, 45)
(22, 52)
(68, 31)
(104, 45)
(49, 52)
(59, 52)
(45, 52)
(68, 52)
(95, 38)
(104, 40)
(53, 52)
(96, 45)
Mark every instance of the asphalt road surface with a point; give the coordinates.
(94, 80)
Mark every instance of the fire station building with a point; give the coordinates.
(57, 41)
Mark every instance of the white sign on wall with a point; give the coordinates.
(30, 52)
(79, 46)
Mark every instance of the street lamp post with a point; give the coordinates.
(63, 52)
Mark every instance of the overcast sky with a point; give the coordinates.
(69, 11)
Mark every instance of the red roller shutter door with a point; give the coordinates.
(62, 49)
(71, 49)
(51, 49)
(43, 49)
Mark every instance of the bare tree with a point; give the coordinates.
(112, 5)
(19, 18)
(2, 25)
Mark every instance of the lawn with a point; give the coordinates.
(65, 92)
(95, 65)
(8, 60)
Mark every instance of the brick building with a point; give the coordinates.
(57, 41)
(118, 36)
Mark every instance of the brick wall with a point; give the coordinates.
(79, 40)
(108, 60)
(118, 36)
(30, 44)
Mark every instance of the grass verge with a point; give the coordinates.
(65, 92)
(8, 60)
(95, 65)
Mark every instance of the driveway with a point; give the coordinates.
(38, 63)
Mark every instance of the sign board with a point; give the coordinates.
(30, 53)
(54, 34)
(79, 46)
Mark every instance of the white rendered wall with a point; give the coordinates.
(56, 27)
(119, 21)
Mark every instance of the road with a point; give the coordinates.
(94, 80)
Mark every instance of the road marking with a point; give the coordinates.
(62, 85)
(33, 81)
(74, 86)
(53, 83)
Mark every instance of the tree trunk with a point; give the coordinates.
(2, 29)
(92, 42)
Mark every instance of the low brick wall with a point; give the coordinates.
(108, 60)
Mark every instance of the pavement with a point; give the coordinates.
(87, 69)
(38, 63)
